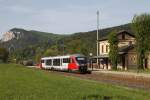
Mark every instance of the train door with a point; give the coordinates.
(65, 62)
(57, 63)
(48, 63)
(43, 63)
(146, 63)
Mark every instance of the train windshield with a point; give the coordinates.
(81, 60)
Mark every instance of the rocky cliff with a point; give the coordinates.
(11, 35)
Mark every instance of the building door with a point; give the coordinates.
(123, 61)
(145, 63)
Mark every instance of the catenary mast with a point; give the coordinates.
(98, 53)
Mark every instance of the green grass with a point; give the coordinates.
(20, 83)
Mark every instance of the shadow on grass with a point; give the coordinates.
(97, 97)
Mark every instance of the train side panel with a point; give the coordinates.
(73, 63)
(46, 63)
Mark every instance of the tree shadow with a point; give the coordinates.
(97, 97)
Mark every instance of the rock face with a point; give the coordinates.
(8, 36)
(11, 35)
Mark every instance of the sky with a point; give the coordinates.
(68, 16)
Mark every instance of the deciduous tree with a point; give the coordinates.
(141, 27)
(113, 45)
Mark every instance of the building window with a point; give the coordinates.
(102, 48)
(107, 48)
(130, 42)
(134, 59)
(123, 36)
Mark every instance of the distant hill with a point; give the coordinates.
(20, 38)
(82, 42)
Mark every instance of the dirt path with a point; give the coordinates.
(129, 80)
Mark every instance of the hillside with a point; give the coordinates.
(27, 44)
(88, 39)
(20, 38)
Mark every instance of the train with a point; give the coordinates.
(76, 62)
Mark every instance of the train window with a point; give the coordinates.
(42, 61)
(56, 62)
(66, 60)
(81, 60)
(48, 62)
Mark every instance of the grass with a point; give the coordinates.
(21, 83)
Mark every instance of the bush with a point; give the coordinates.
(4, 54)
(27, 62)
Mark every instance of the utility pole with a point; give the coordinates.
(97, 36)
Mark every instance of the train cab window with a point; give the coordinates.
(72, 60)
(56, 62)
(42, 61)
(81, 60)
(66, 60)
(48, 62)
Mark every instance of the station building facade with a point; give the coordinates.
(126, 50)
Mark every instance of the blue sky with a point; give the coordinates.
(68, 16)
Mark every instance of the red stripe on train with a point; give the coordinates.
(73, 65)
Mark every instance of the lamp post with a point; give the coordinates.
(91, 63)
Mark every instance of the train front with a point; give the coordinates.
(82, 64)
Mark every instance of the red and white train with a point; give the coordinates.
(65, 63)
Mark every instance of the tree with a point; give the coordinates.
(84, 49)
(141, 27)
(4, 54)
(38, 54)
(50, 52)
(113, 45)
(38, 58)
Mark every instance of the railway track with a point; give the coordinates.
(110, 78)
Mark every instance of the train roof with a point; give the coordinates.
(65, 56)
